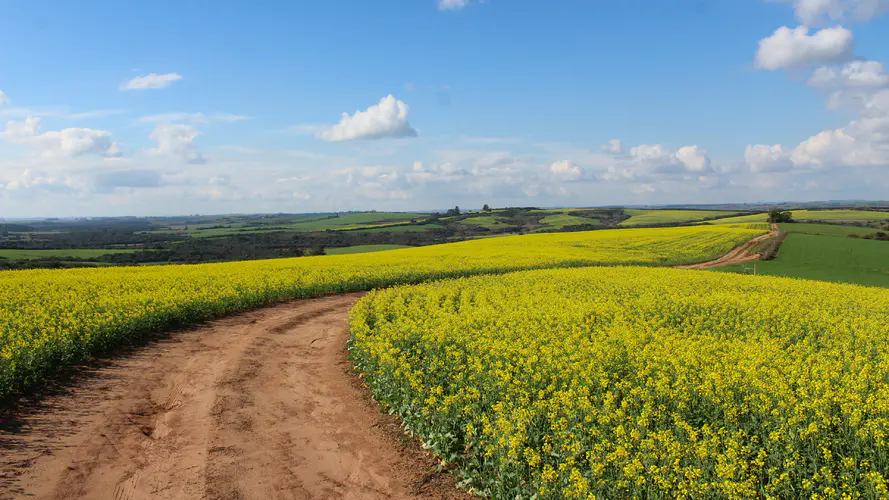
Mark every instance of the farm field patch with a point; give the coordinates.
(637, 382)
(825, 229)
(62, 254)
(840, 215)
(485, 221)
(559, 221)
(816, 215)
(828, 258)
(401, 228)
(644, 217)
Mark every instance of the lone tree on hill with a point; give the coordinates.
(776, 216)
(453, 211)
(486, 208)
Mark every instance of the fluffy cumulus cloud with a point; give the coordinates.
(855, 74)
(389, 118)
(793, 48)
(693, 158)
(151, 81)
(177, 140)
(65, 142)
(3, 98)
(567, 171)
(452, 4)
(830, 147)
(858, 86)
(23, 130)
(819, 11)
(765, 158)
(658, 158)
(864, 142)
(657, 164)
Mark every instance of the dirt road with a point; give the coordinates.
(738, 255)
(260, 405)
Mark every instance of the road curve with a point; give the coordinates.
(260, 405)
(738, 255)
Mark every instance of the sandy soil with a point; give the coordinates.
(738, 255)
(262, 405)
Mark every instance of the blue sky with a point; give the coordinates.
(119, 108)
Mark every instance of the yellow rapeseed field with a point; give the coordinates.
(52, 318)
(624, 382)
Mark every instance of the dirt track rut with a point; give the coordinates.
(738, 255)
(260, 405)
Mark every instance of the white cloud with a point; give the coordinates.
(653, 155)
(812, 12)
(65, 142)
(31, 179)
(177, 140)
(151, 81)
(22, 130)
(3, 98)
(790, 48)
(661, 159)
(864, 142)
(855, 74)
(191, 117)
(614, 147)
(877, 105)
(389, 118)
(567, 171)
(452, 4)
(694, 158)
(656, 162)
(765, 158)
(830, 147)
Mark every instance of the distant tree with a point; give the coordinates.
(776, 216)
(486, 208)
(453, 211)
